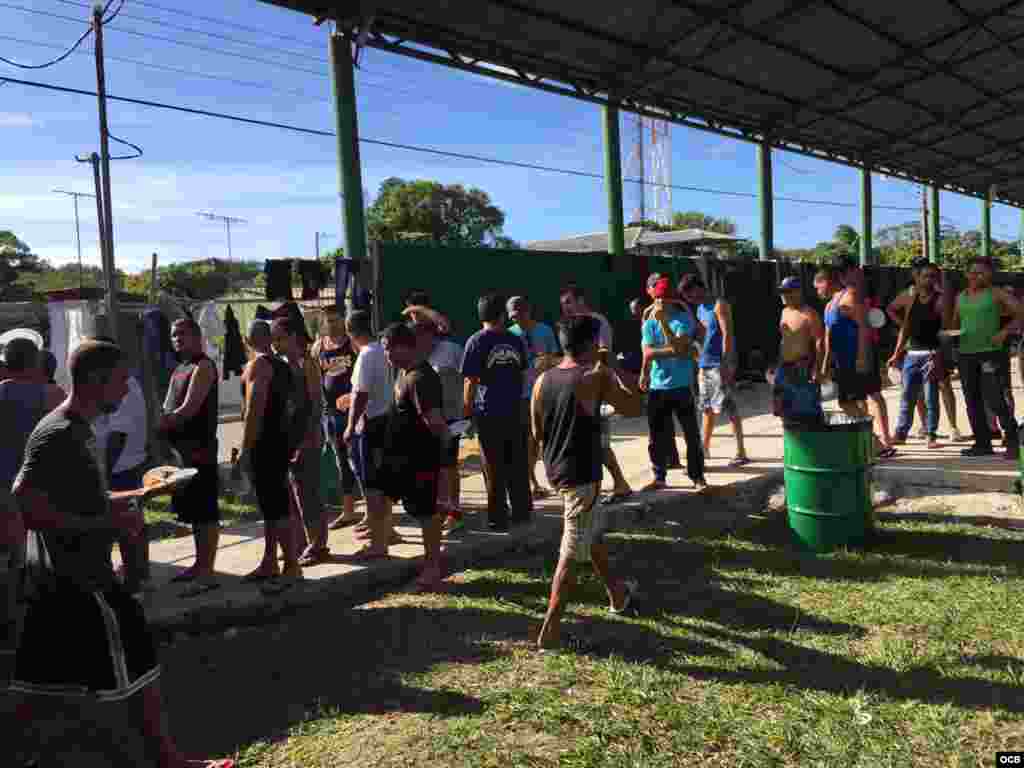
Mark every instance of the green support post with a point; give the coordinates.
(349, 169)
(934, 227)
(613, 180)
(865, 216)
(986, 226)
(765, 197)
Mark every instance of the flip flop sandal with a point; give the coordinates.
(631, 586)
(365, 555)
(209, 764)
(739, 461)
(541, 493)
(656, 485)
(887, 453)
(257, 577)
(316, 557)
(187, 575)
(198, 588)
(616, 497)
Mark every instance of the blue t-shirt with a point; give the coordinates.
(539, 341)
(669, 372)
(498, 360)
(711, 352)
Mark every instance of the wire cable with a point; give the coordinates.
(136, 147)
(414, 148)
(52, 62)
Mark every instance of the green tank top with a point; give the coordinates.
(979, 322)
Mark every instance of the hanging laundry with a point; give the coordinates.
(156, 341)
(234, 349)
(278, 273)
(213, 328)
(312, 275)
(342, 275)
(262, 313)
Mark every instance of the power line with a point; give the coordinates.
(50, 63)
(413, 148)
(136, 147)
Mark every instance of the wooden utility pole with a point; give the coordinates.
(108, 216)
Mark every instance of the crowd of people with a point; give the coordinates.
(389, 408)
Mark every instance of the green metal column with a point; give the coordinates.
(865, 216)
(349, 170)
(986, 226)
(764, 191)
(934, 227)
(613, 180)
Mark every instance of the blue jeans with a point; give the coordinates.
(913, 380)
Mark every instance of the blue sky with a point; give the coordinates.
(286, 184)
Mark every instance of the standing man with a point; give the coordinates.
(121, 437)
(918, 348)
(417, 431)
(565, 409)
(573, 302)
(827, 284)
(62, 493)
(669, 384)
(852, 359)
(796, 392)
(287, 339)
(445, 357)
(493, 364)
(897, 311)
(337, 359)
(23, 402)
(977, 314)
(267, 383)
(189, 424)
(541, 346)
(367, 434)
(718, 360)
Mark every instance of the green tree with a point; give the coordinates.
(16, 260)
(698, 220)
(431, 212)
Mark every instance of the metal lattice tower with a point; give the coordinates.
(649, 159)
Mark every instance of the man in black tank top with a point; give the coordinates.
(264, 455)
(919, 340)
(189, 424)
(566, 416)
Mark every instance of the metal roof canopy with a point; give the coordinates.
(930, 93)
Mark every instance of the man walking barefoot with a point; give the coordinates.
(565, 409)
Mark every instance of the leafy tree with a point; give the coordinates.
(203, 280)
(698, 220)
(430, 212)
(16, 259)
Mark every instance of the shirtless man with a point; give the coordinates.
(802, 350)
(897, 311)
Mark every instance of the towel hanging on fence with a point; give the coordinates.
(278, 273)
(312, 276)
(234, 349)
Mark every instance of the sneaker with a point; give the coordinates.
(956, 436)
(922, 433)
(453, 523)
(977, 450)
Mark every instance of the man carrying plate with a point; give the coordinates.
(85, 637)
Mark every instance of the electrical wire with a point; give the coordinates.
(52, 62)
(136, 147)
(414, 148)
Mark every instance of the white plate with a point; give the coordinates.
(21, 333)
(950, 334)
(174, 480)
(460, 428)
(876, 318)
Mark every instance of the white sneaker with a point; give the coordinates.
(922, 433)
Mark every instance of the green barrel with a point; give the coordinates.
(828, 483)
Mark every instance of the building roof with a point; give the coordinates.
(929, 95)
(636, 237)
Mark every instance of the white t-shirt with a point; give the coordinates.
(130, 419)
(373, 375)
(446, 359)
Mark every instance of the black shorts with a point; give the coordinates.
(346, 477)
(270, 482)
(77, 643)
(416, 490)
(196, 502)
(852, 386)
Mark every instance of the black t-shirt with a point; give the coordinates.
(199, 433)
(62, 461)
(413, 446)
(572, 437)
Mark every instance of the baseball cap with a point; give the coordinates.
(515, 301)
(659, 286)
(791, 284)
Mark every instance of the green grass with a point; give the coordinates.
(743, 653)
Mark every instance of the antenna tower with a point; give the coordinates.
(650, 161)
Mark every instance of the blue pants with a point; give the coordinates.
(913, 381)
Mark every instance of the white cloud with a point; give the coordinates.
(16, 120)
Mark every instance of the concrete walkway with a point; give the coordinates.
(734, 494)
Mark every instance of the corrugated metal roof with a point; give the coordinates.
(931, 91)
(635, 237)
